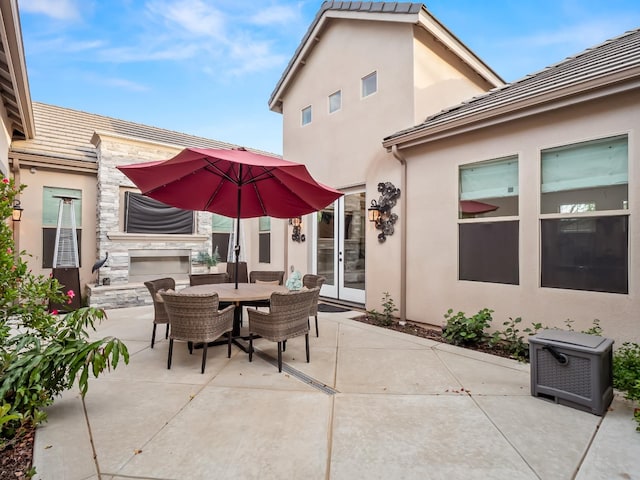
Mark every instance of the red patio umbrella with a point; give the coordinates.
(235, 183)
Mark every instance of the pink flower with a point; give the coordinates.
(54, 312)
(9, 251)
(71, 294)
(5, 180)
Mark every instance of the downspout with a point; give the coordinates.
(403, 232)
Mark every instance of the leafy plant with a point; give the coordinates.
(461, 330)
(41, 353)
(512, 341)
(209, 260)
(626, 373)
(388, 309)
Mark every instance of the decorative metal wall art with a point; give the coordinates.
(380, 211)
(297, 235)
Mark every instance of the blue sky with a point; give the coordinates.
(208, 67)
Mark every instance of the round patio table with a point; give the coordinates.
(246, 292)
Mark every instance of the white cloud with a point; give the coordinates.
(123, 84)
(276, 15)
(191, 17)
(58, 9)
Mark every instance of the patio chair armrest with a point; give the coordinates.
(229, 308)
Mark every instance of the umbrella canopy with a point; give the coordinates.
(234, 183)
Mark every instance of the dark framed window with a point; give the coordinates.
(488, 251)
(264, 241)
(146, 215)
(584, 222)
(222, 227)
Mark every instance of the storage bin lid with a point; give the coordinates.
(569, 339)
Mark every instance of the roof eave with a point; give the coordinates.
(422, 18)
(580, 93)
(12, 38)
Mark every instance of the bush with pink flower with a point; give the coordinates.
(42, 353)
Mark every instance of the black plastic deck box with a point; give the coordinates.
(573, 369)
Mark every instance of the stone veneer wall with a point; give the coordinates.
(113, 150)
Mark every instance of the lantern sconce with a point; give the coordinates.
(297, 235)
(380, 211)
(16, 215)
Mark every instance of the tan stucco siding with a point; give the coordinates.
(343, 149)
(441, 79)
(432, 244)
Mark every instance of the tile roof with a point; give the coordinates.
(616, 60)
(63, 133)
(369, 7)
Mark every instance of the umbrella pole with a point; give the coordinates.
(237, 247)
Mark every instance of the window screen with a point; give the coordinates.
(489, 252)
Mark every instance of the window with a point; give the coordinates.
(335, 101)
(50, 212)
(489, 250)
(146, 215)
(369, 84)
(306, 115)
(221, 236)
(264, 254)
(584, 230)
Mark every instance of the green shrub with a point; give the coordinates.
(461, 330)
(626, 373)
(41, 353)
(388, 309)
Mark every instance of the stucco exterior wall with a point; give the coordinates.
(432, 247)
(32, 217)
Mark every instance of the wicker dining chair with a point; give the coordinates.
(288, 317)
(256, 276)
(264, 276)
(159, 312)
(195, 318)
(311, 281)
(208, 278)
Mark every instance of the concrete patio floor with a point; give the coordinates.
(394, 406)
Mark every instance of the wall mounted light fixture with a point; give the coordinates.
(297, 235)
(16, 215)
(380, 211)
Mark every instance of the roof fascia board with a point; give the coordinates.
(12, 38)
(28, 160)
(514, 112)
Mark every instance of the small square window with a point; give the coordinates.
(306, 115)
(335, 101)
(370, 84)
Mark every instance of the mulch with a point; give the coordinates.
(432, 333)
(16, 456)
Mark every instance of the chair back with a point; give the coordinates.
(192, 316)
(311, 281)
(295, 304)
(257, 276)
(154, 286)
(242, 272)
(208, 278)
